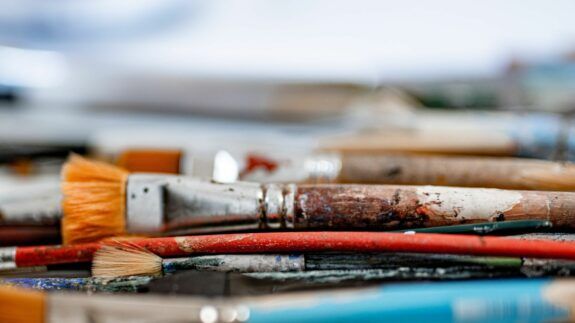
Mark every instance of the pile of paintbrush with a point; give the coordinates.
(239, 242)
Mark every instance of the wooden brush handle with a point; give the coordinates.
(507, 173)
(383, 207)
(424, 141)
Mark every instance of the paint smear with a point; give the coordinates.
(466, 203)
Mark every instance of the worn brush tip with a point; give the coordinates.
(151, 160)
(93, 200)
(125, 260)
(19, 305)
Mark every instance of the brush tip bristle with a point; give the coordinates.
(151, 160)
(93, 200)
(18, 305)
(125, 260)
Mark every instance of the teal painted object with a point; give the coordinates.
(476, 301)
(487, 228)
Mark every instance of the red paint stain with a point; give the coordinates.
(255, 162)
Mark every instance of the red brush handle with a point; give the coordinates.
(358, 242)
(313, 242)
(50, 255)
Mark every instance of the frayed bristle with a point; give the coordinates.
(80, 169)
(18, 305)
(558, 178)
(94, 200)
(125, 260)
(151, 160)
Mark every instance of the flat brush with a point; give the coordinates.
(118, 261)
(102, 200)
(304, 242)
(376, 168)
(500, 301)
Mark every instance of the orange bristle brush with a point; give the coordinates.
(94, 200)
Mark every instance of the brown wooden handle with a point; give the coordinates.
(449, 142)
(387, 207)
(507, 173)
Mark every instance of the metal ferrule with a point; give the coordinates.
(174, 203)
(36, 209)
(7, 258)
(323, 167)
(287, 168)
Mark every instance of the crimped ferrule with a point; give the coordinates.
(167, 203)
(8, 258)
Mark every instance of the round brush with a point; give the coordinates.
(131, 260)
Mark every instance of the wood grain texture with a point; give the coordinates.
(388, 207)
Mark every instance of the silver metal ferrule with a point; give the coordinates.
(323, 167)
(145, 202)
(278, 206)
(287, 167)
(36, 209)
(174, 203)
(7, 258)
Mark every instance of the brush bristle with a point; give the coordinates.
(557, 178)
(125, 260)
(151, 160)
(94, 200)
(19, 305)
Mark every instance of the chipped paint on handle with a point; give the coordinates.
(465, 203)
(237, 263)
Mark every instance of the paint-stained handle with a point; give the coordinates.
(506, 173)
(386, 207)
(306, 242)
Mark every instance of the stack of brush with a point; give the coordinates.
(333, 233)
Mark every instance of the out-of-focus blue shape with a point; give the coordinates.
(64, 23)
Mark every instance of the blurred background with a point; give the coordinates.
(103, 76)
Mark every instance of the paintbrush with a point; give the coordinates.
(101, 200)
(382, 168)
(205, 283)
(304, 242)
(127, 260)
(356, 138)
(501, 301)
(85, 284)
